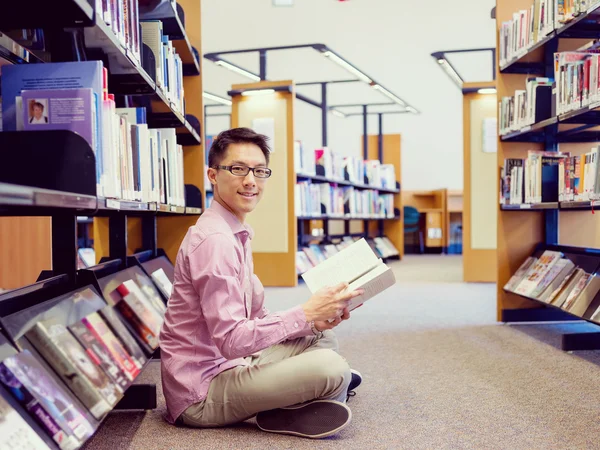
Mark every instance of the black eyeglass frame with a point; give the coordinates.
(229, 168)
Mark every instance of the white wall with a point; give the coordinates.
(390, 40)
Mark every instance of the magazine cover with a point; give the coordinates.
(28, 380)
(68, 358)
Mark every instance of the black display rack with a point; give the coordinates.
(53, 173)
(587, 259)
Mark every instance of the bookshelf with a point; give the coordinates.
(565, 226)
(52, 180)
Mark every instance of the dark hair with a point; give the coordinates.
(236, 136)
(38, 104)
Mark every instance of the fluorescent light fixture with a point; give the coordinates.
(337, 113)
(486, 91)
(259, 92)
(237, 69)
(410, 109)
(349, 67)
(450, 71)
(388, 94)
(216, 98)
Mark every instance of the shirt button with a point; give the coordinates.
(296, 324)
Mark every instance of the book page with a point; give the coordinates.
(372, 283)
(345, 266)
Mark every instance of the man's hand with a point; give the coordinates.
(329, 302)
(322, 325)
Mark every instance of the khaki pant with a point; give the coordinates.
(286, 374)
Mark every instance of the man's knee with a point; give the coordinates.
(330, 370)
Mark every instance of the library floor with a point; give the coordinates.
(439, 372)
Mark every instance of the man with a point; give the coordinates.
(225, 358)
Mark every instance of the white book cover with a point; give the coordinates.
(15, 433)
(357, 265)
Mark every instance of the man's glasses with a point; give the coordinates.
(242, 171)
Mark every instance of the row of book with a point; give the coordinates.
(67, 374)
(529, 26)
(577, 79)
(122, 16)
(313, 254)
(314, 199)
(551, 177)
(526, 107)
(554, 279)
(169, 67)
(133, 162)
(334, 166)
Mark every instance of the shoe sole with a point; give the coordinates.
(315, 420)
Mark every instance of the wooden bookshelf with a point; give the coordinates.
(521, 229)
(433, 205)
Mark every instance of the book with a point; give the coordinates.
(49, 403)
(149, 290)
(15, 432)
(537, 271)
(100, 355)
(136, 308)
(357, 265)
(162, 281)
(111, 318)
(70, 361)
(61, 109)
(516, 278)
(104, 335)
(586, 297)
(559, 270)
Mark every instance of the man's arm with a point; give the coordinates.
(214, 271)
(259, 310)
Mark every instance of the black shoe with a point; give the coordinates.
(355, 381)
(317, 419)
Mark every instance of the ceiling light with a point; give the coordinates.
(450, 71)
(237, 69)
(337, 113)
(258, 92)
(216, 98)
(388, 94)
(411, 109)
(486, 91)
(346, 65)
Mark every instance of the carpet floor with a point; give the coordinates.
(439, 373)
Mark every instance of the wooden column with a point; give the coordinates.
(480, 193)
(274, 220)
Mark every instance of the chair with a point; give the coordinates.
(412, 218)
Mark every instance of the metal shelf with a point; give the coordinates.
(324, 217)
(530, 206)
(324, 179)
(27, 199)
(531, 133)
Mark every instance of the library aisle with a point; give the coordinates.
(439, 372)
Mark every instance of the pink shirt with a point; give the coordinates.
(216, 317)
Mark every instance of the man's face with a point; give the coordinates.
(240, 194)
(37, 112)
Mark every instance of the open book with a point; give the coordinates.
(356, 265)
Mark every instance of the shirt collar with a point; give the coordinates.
(234, 223)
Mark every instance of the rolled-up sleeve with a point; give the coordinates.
(215, 272)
